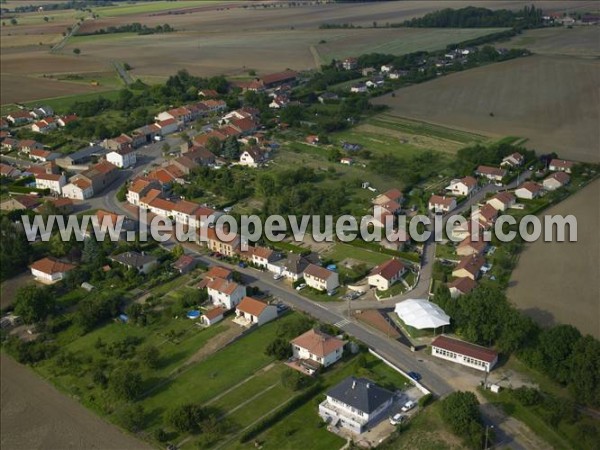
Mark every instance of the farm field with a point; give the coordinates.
(265, 39)
(578, 41)
(549, 273)
(30, 420)
(516, 93)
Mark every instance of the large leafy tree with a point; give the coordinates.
(33, 304)
(14, 249)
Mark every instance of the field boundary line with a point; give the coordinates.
(316, 57)
(255, 396)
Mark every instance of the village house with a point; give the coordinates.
(514, 160)
(262, 256)
(253, 157)
(167, 126)
(81, 157)
(320, 278)
(212, 316)
(19, 118)
(54, 182)
(347, 161)
(469, 267)
(252, 312)
(9, 144)
(560, 165)
(227, 246)
(42, 155)
(225, 293)
(350, 63)
(44, 126)
(469, 247)
(486, 215)
(386, 274)
(294, 266)
(141, 262)
(356, 404)
(279, 102)
(208, 93)
(3, 124)
(397, 240)
(181, 115)
(50, 270)
(359, 88)
(66, 120)
(63, 205)
(185, 264)
(21, 202)
(392, 195)
(491, 173)
(123, 159)
(529, 190)
(556, 181)
(464, 353)
(27, 145)
(78, 189)
(138, 188)
(327, 97)
(121, 142)
(9, 171)
(439, 203)
(100, 175)
(315, 349)
(461, 286)
(215, 106)
(40, 112)
(502, 201)
(462, 187)
(277, 79)
(397, 74)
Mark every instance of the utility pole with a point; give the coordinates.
(487, 428)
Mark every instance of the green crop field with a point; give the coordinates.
(147, 7)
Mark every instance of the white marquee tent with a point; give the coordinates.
(421, 314)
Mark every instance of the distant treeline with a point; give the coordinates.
(472, 17)
(74, 4)
(132, 28)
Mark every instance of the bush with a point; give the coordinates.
(425, 400)
(294, 380)
(185, 418)
(279, 348)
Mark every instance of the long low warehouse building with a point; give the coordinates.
(464, 353)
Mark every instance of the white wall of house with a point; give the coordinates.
(459, 188)
(526, 194)
(53, 185)
(76, 193)
(327, 360)
(551, 184)
(320, 284)
(463, 359)
(498, 205)
(382, 283)
(267, 314)
(225, 300)
(349, 417)
(122, 160)
(47, 277)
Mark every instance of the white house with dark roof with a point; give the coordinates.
(513, 160)
(356, 404)
(386, 274)
(142, 262)
(320, 278)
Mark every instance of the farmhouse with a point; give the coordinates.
(227, 294)
(514, 160)
(54, 182)
(167, 126)
(350, 63)
(556, 181)
(469, 267)
(502, 201)
(462, 187)
(208, 93)
(212, 316)
(42, 111)
(464, 353)
(9, 171)
(100, 175)
(560, 165)
(314, 346)
(529, 190)
(121, 142)
(142, 262)
(50, 270)
(386, 274)
(277, 79)
(252, 312)
(355, 404)
(78, 189)
(439, 203)
(320, 278)
(491, 173)
(461, 286)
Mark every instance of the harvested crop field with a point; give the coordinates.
(559, 282)
(578, 41)
(214, 38)
(551, 100)
(36, 416)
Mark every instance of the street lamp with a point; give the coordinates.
(487, 428)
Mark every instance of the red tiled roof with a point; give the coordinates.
(150, 196)
(251, 306)
(279, 77)
(393, 194)
(214, 313)
(183, 262)
(51, 266)
(465, 348)
(531, 187)
(469, 181)
(262, 252)
(186, 207)
(48, 176)
(471, 264)
(487, 170)
(388, 269)
(218, 272)
(479, 245)
(464, 285)
(81, 183)
(561, 177)
(441, 200)
(224, 286)
(318, 343)
(139, 184)
(505, 197)
(561, 163)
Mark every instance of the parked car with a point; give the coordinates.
(414, 375)
(397, 419)
(408, 406)
(332, 292)
(278, 276)
(300, 286)
(242, 264)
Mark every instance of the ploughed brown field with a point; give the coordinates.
(559, 282)
(215, 38)
(35, 416)
(550, 99)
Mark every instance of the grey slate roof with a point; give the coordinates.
(134, 259)
(361, 394)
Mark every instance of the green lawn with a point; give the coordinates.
(147, 7)
(341, 251)
(62, 105)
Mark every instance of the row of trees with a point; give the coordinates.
(474, 17)
(135, 27)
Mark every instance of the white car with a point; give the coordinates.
(397, 419)
(300, 286)
(278, 276)
(408, 406)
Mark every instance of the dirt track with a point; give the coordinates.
(34, 415)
